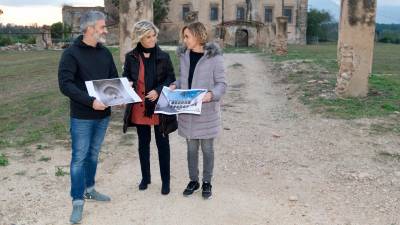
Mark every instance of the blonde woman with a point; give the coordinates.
(201, 66)
(148, 68)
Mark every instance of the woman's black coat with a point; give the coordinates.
(164, 76)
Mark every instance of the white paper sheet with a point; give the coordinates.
(112, 92)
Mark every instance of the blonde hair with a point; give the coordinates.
(198, 30)
(143, 28)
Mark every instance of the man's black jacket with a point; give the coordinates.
(80, 63)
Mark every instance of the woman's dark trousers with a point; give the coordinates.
(162, 142)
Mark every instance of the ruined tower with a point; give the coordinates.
(301, 24)
(130, 12)
(355, 47)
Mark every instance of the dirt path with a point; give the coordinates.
(275, 164)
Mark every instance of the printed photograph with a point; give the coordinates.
(112, 91)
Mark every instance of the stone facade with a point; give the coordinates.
(246, 22)
(240, 17)
(71, 16)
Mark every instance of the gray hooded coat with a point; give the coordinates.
(209, 74)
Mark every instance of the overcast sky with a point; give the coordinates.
(51, 2)
(49, 11)
(100, 2)
(27, 12)
(380, 2)
(388, 10)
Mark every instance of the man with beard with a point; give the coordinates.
(86, 59)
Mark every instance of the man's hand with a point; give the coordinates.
(97, 105)
(152, 95)
(172, 86)
(208, 97)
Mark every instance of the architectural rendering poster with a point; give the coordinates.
(180, 101)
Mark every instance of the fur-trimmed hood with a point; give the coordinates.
(212, 49)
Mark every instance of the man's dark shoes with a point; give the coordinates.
(192, 187)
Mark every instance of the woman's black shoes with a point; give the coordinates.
(165, 189)
(143, 185)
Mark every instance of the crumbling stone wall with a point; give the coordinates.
(301, 24)
(111, 9)
(71, 15)
(355, 47)
(43, 40)
(130, 12)
(279, 45)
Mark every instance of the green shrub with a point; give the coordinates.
(3, 160)
(5, 41)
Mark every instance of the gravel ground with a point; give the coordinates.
(275, 164)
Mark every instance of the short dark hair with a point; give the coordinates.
(90, 18)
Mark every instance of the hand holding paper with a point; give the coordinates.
(208, 97)
(97, 105)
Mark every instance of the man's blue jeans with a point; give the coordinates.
(87, 137)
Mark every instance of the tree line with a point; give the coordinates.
(322, 28)
(11, 34)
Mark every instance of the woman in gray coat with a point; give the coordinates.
(201, 67)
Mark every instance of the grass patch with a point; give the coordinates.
(21, 173)
(323, 55)
(44, 159)
(383, 100)
(236, 65)
(242, 50)
(3, 160)
(41, 146)
(175, 62)
(392, 126)
(28, 153)
(60, 172)
(32, 109)
(390, 155)
(384, 85)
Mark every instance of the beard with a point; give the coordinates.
(101, 38)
